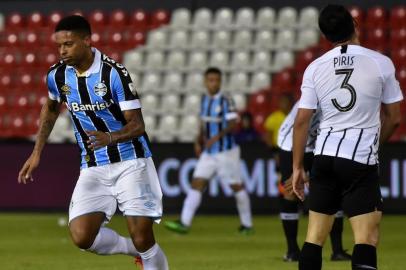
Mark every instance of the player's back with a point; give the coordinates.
(349, 83)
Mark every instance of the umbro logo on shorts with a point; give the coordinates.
(149, 205)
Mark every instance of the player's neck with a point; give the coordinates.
(353, 41)
(86, 63)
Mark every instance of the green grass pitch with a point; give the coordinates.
(36, 242)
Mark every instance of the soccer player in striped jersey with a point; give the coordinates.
(218, 155)
(289, 203)
(116, 164)
(349, 84)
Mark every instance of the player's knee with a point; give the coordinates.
(199, 184)
(142, 242)
(81, 238)
(237, 187)
(369, 237)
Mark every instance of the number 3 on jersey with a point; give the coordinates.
(345, 85)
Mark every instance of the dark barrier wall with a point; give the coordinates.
(54, 180)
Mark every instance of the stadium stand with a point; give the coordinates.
(263, 54)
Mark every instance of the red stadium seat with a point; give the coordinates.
(139, 20)
(397, 18)
(6, 81)
(303, 59)
(97, 19)
(377, 35)
(10, 59)
(376, 17)
(399, 56)
(136, 38)
(53, 19)
(118, 19)
(31, 39)
(357, 13)
(3, 103)
(48, 57)
(15, 21)
(29, 60)
(98, 39)
(31, 123)
(283, 81)
(401, 76)
(259, 121)
(35, 20)
(259, 102)
(398, 38)
(159, 17)
(11, 39)
(116, 39)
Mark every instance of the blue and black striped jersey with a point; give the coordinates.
(215, 113)
(95, 101)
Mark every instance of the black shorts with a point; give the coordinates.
(338, 182)
(286, 160)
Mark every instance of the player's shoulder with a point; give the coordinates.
(56, 66)
(116, 66)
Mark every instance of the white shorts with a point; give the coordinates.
(132, 185)
(225, 164)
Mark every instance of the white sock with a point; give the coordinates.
(154, 259)
(190, 205)
(109, 242)
(244, 207)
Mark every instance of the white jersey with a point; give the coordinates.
(348, 85)
(285, 134)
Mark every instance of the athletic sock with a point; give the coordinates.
(109, 242)
(310, 257)
(190, 205)
(244, 208)
(290, 219)
(154, 259)
(336, 233)
(364, 257)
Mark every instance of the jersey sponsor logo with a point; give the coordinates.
(100, 89)
(98, 106)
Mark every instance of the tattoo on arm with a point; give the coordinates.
(49, 114)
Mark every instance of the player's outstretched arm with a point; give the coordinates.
(199, 141)
(134, 128)
(391, 120)
(300, 133)
(49, 114)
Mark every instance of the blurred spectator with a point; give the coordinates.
(246, 133)
(275, 119)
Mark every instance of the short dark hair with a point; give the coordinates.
(213, 70)
(74, 23)
(336, 23)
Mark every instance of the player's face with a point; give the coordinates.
(72, 47)
(213, 83)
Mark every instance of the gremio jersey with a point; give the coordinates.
(348, 85)
(215, 113)
(95, 101)
(285, 134)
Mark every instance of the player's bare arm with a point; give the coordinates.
(48, 117)
(231, 125)
(199, 141)
(391, 120)
(134, 128)
(300, 132)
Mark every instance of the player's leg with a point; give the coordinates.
(363, 203)
(288, 208)
(324, 201)
(228, 169)
(338, 253)
(92, 204)
(139, 197)
(366, 236)
(205, 169)
(317, 232)
(141, 231)
(244, 208)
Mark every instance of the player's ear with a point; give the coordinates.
(87, 40)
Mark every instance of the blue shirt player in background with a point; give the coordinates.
(116, 166)
(218, 155)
